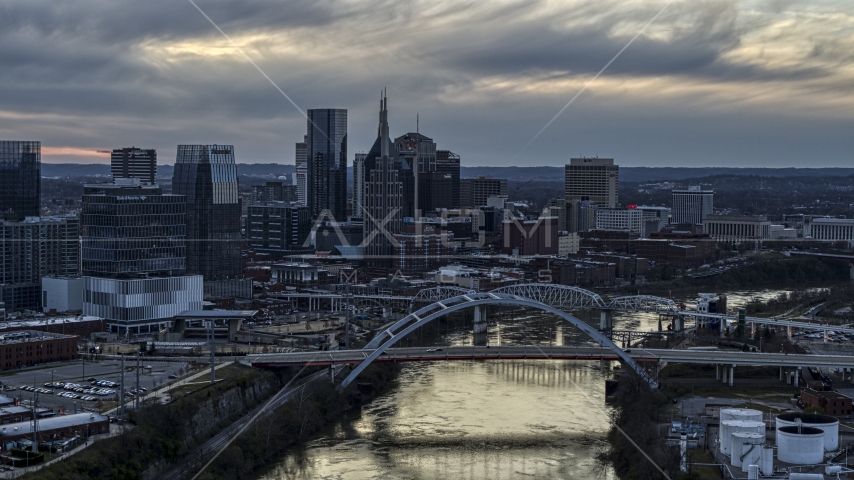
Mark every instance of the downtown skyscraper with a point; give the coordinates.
(326, 159)
(207, 176)
(383, 194)
(20, 179)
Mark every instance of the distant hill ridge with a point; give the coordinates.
(543, 174)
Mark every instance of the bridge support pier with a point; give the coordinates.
(789, 331)
(331, 374)
(851, 270)
(717, 372)
(731, 375)
(606, 320)
(478, 326)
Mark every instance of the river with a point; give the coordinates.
(481, 420)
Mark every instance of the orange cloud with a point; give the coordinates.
(73, 155)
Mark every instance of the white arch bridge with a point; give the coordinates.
(391, 335)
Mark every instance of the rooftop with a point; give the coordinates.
(29, 336)
(214, 314)
(40, 320)
(52, 423)
(823, 394)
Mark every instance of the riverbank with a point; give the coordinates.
(314, 407)
(763, 271)
(637, 413)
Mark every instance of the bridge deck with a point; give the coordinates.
(415, 354)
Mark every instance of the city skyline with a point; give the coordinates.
(707, 84)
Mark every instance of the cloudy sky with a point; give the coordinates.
(710, 82)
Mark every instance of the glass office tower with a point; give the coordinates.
(20, 179)
(326, 152)
(132, 231)
(207, 176)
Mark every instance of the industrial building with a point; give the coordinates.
(55, 428)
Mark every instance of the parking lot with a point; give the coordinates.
(79, 373)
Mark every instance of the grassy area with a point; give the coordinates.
(188, 388)
(772, 394)
(761, 408)
(702, 472)
(230, 372)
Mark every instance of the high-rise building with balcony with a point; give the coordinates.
(326, 159)
(134, 163)
(32, 249)
(207, 176)
(593, 179)
(20, 179)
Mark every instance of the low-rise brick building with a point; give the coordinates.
(833, 403)
(29, 347)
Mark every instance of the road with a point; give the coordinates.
(723, 357)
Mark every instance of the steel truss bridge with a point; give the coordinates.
(564, 298)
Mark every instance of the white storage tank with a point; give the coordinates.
(751, 453)
(741, 414)
(827, 424)
(800, 445)
(766, 465)
(728, 427)
(737, 442)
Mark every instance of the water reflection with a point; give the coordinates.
(483, 420)
(469, 420)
